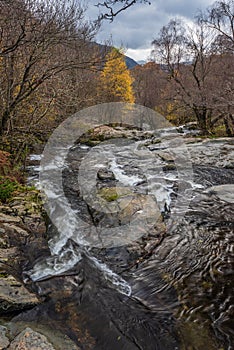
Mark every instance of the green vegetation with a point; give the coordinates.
(10, 187)
(7, 187)
(109, 194)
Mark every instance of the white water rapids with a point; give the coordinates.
(136, 166)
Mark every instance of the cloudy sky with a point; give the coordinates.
(135, 28)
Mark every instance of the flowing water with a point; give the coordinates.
(146, 259)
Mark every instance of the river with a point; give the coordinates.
(147, 260)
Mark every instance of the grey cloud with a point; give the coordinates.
(183, 7)
(136, 27)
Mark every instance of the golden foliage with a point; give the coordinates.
(115, 80)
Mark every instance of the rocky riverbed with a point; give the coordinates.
(167, 286)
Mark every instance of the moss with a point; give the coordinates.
(109, 194)
(3, 275)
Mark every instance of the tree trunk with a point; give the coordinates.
(229, 125)
(201, 116)
(4, 121)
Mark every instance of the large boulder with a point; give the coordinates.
(29, 336)
(30, 340)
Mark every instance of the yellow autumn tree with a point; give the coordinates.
(115, 79)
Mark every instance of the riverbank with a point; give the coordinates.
(23, 239)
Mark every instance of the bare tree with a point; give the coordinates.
(220, 17)
(10, 40)
(222, 88)
(149, 83)
(39, 40)
(186, 55)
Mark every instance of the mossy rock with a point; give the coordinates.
(111, 194)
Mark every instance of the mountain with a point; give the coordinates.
(105, 48)
(130, 62)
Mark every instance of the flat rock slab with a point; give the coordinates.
(10, 219)
(166, 156)
(224, 192)
(14, 296)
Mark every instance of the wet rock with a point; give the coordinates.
(105, 174)
(21, 225)
(7, 254)
(3, 243)
(150, 142)
(34, 336)
(155, 141)
(35, 223)
(4, 341)
(111, 194)
(30, 340)
(218, 152)
(166, 156)
(105, 132)
(100, 134)
(13, 229)
(14, 296)
(14, 234)
(224, 192)
(10, 219)
(169, 167)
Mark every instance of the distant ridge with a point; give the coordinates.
(130, 63)
(141, 62)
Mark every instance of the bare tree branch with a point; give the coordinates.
(115, 7)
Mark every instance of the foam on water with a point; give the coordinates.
(56, 264)
(127, 180)
(120, 284)
(36, 157)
